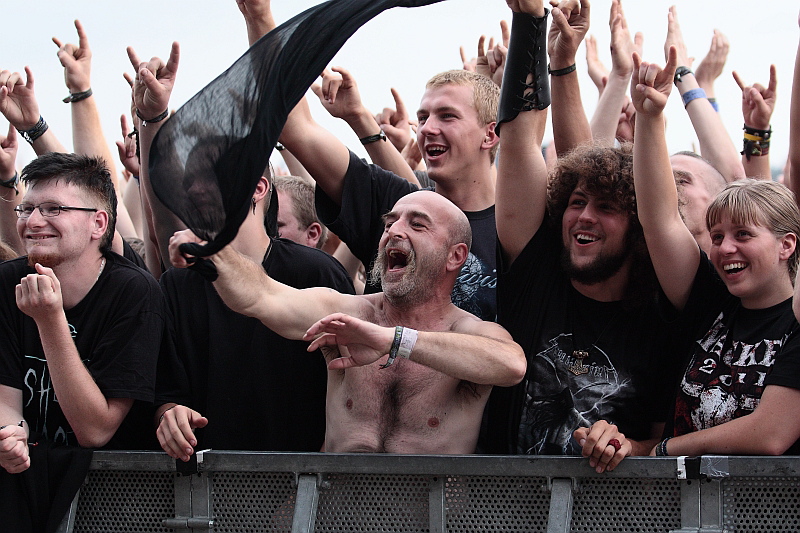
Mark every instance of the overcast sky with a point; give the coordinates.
(400, 48)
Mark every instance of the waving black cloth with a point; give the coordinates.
(206, 160)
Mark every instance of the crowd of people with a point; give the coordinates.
(472, 289)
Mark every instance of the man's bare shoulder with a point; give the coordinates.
(469, 324)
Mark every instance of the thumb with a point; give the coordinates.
(198, 421)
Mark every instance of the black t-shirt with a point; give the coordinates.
(587, 360)
(117, 329)
(369, 193)
(258, 390)
(736, 353)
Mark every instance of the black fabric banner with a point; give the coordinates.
(206, 160)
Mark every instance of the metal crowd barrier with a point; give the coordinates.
(254, 492)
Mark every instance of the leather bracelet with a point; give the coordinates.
(77, 97)
(661, 448)
(35, 132)
(398, 335)
(369, 139)
(160, 418)
(562, 71)
(680, 72)
(159, 118)
(12, 184)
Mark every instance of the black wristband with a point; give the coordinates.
(35, 132)
(680, 72)
(525, 82)
(77, 97)
(369, 139)
(159, 118)
(12, 183)
(562, 71)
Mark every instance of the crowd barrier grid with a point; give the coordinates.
(223, 491)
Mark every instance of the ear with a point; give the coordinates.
(262, 189)
(490, 138)
(458, 256)
(100, 224)
(313, 233)
(788, 244)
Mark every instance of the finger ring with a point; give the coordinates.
(615, 443)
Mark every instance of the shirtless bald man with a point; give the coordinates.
(430, 398)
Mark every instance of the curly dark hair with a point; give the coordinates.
(606, 173)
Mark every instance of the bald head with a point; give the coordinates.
(441, 211)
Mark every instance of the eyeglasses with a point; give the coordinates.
(47, 209)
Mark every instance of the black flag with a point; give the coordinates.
(206, 160)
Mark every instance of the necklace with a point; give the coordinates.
(578, 368)
(102, 266)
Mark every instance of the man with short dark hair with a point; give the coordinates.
(81, 326)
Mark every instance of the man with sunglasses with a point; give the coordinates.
(81, 326)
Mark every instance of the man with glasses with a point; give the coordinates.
(81, 326)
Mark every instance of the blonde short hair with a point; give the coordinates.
(764, 203)
(485, 93)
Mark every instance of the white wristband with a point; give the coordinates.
(407, 342)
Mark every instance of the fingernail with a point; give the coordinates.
(188, 451)
(582, 442)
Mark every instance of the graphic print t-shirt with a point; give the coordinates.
(734, 356)
(619, 378)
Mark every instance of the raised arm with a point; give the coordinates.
(794, 134)
(87, 132)
(339, 95)
(247, 289)
(18, 104)
(614, 97)
(151, 91)
(711, 66)
(570, 23)
(715, 143)
(10, 195)
(673, 250)
(758, 103)
(521, 189)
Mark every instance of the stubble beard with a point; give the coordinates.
(414, 288)
(603, 267)
(48, 259)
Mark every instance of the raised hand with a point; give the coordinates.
(77, 61)
(360, 342)
(597, 70)
(154, 81)
(622, 46)
(758, 102)
(675, 39)
(396, 123)
(18, 100)
(127, 148)
(569, 27)
(338, 93)
(651, 85)
(491, 62)
(8, 153)
(711, 66)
